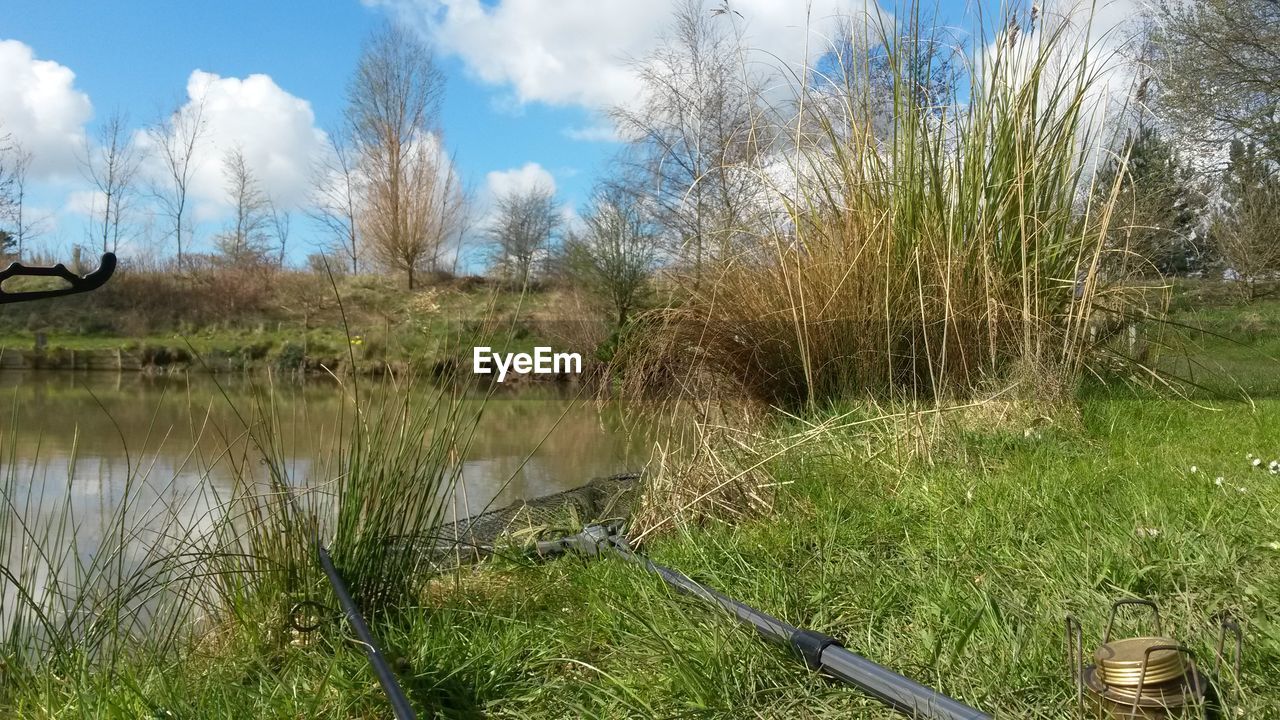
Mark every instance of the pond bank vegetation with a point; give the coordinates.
(925, 402)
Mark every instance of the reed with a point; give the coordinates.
(935, 229)
(177, 569)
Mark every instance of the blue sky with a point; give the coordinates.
(527, 82)
(137, 57)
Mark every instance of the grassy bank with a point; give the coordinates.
(957, 572)
(947, 546)
(955, 566)
(1222, 345)
(292, 319)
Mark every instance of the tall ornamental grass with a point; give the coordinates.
(935, 230)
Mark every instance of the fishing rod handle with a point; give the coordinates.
(74, 283)
(399, 703)
(822, 652)
(897, 691)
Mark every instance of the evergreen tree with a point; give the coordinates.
(1156, 209)
(1246, 230)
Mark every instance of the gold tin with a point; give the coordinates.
(1172, 700)
(1133, 661)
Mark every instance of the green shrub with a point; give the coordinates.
(291, 356)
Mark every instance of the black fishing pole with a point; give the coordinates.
(399, 703)
(819, 651)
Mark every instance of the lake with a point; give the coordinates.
(73, 441)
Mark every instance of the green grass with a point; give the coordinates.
(957, 571)
(1228, 347)
(261, 348)
(216, 570)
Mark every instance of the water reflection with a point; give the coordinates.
(78, 450)
(82, 435)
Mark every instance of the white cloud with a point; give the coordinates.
(531, 175)
(602, 132)
(570, 218)
(275, 130)
(87, 203)
(579, 52)
(1096, 38)
(41, 108)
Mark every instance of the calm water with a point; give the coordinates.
(70, 445)
(82, 436)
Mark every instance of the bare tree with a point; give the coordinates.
(308, 294)
(335, 199)
(1247, 230)
(1154, 214)
(15, 163)
(614, 256)
(281, 220)
(111, 165)
(6, 176)
(392, 107)
(695, 133)
(246, 238)
(1219, 69)
(174, 138)
(431, 213)
(23, 227)
(521, 234)
(464, 220)
(7, 241)
(448, 214)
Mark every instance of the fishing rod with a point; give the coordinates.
(75, 283)
(386, 678)
(819, 651)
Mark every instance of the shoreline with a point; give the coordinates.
(159, 361)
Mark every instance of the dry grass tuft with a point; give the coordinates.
(706, 471)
